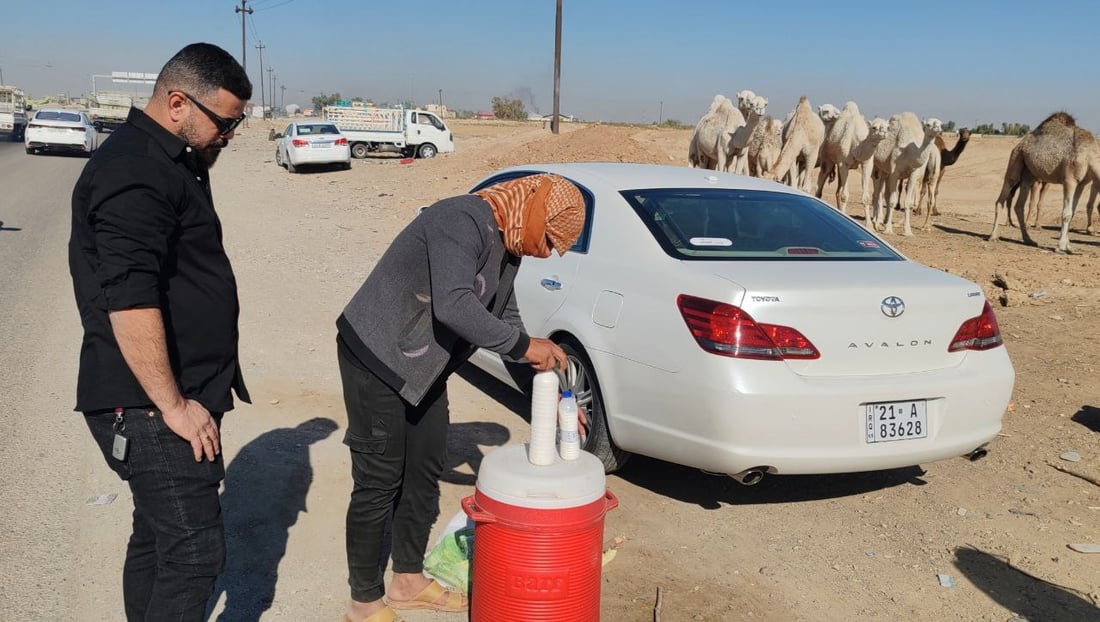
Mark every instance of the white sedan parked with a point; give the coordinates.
(307, 143)
(60, 130)
(742, 327)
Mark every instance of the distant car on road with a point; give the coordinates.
(312, 143)
(60, 130)
(743, 327)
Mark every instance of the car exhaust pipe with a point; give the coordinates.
(750, 477)
(977, 454)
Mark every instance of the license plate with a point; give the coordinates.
(320, 145)
(896, 421)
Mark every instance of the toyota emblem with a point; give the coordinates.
(892, 306)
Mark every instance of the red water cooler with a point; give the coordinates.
(538, 538)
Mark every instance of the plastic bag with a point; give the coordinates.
(449, 560)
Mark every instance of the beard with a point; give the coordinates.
(207, 153)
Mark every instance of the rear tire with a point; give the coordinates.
(596, 435)
(359, 151)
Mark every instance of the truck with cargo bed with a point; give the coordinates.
(107, 110)
(410, 132)
(13, 113)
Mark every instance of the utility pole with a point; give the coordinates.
(263, 105)
(661, 114)
(441, 102)
(271, 80)
(243, 11)
(557, 71)
(282, 96)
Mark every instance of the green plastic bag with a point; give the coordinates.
(449, 561)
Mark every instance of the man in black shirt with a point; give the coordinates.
(158, 302)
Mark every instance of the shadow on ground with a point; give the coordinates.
(265, 489)
(1022, 593)
(1088, 416)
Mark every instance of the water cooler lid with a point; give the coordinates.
(507, 476)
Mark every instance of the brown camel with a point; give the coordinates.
(1056, 152)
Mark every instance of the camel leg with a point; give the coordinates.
(892, 198)
(822, 177)
(1038, 191)
(865, 183)
(1071, 194)
(933, 191)
(842, 187)
(1026, 185)
(811, 162)
(1091, 204)
(908, 197)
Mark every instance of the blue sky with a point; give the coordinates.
(970, 61)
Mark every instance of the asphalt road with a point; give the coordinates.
(46, 459)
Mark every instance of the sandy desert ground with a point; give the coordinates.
(847, 547)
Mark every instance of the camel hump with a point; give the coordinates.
(1060, 118)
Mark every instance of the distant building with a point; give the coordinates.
(485, 115)
(442, 111)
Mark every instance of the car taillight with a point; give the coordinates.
(341, 142)
(978, 333)
(721, 328)
(300, 142)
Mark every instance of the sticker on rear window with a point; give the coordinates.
(711, 242)
(868, 243)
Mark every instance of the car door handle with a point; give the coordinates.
(551, 285)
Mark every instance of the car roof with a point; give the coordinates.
(625, 176)
(76, 110)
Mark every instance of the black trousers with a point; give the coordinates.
(398, 452)
(177, 547)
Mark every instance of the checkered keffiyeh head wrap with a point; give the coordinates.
(534, 209)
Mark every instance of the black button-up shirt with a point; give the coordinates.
(145, 235)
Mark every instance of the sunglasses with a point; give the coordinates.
(224, 125)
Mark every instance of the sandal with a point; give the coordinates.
(428, 599)
(384, 614)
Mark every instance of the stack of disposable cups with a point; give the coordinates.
(544, 419)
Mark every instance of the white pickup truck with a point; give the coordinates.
(13, 113)
(413, 133)
(108, 111)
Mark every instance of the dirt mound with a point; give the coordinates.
(596, 143)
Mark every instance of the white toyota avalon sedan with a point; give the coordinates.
(743, 327)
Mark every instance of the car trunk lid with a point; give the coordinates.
(864, 317)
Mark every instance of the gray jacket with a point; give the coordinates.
(442, 288)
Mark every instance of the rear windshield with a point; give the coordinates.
(52, 115)
(722, 224)
(309, 130)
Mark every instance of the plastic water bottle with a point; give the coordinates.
(570, 445)
(544, 397)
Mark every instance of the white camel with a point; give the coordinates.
(709, 147)
(752, 110)
(801, 145)
(851, 143)
(902, 155)
(764, 146)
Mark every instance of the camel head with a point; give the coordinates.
(964, 134)
(932, 127)
(756, 105)
(878, 128)
(744, 97)
(828, 113)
